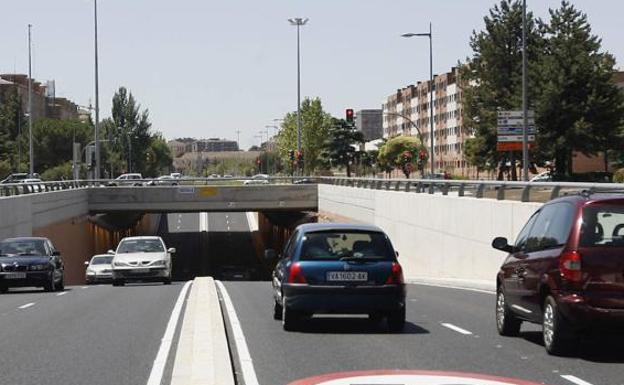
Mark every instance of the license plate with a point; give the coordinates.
(347, 276)
(14, 275)
(139, 271)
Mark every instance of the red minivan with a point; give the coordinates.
(565, 270)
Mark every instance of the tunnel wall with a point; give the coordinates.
(440, 238)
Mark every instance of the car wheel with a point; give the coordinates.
(4, 289)
(557, 334)
(277, 311)
(51, 285)
(396, 320)
(506, 322)
(61, 285)
(290, 318)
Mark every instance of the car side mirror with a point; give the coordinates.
(110, 252)
(270, 255)
(56, 253)
(86, 263)
(500, 243)
(171, 250)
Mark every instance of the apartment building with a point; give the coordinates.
(214, 145)
(407, 112)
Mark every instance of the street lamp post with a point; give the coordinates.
(97, 96)
(525, 137)
(431, 87)
(298, 21)
(31, 155)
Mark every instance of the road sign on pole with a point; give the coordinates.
(510, 130)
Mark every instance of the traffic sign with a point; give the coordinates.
(511, 146)
(515, 121)
(515, 114)
(515, 138)
(515, 130)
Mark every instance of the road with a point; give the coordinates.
(84, 335)
(448, 329)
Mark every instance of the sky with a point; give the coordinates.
(207, 68)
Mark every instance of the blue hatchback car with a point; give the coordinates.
(329, 268)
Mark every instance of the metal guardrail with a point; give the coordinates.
(12, 189)
(500, 190)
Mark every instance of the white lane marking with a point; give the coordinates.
(417, 282)
(575, 379)
(249, 373)
(522, 309)
(228, 228)
(155, 377)
(252, 224)
(26, 306)
(203, 221)
(61, 293)
(84, 287)
(456, 328)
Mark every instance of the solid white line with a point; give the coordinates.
(456, 328)
(203, 221)
(249, 373)
(575, 379)
(26, 306)
(155, 377)
(61, 293)
(416, 282)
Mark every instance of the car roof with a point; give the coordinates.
(141, 237)
(587, 197)
(24, 239)
(314, 227)
(102, 255)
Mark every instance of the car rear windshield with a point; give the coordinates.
(140, 246)
(107, 260)
(345, 245)
(22, 247)
(603, 225)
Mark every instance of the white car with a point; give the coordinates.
(164, 180)
(99, 269)
(542, 177)
(141, 259)
(257, 179)
(133, 179)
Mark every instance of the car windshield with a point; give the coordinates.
(104, 260)
(603, 226)
(22, 248)
(140, 246)
(339, 245)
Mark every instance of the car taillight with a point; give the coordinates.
(570, 266)
(295, 275)
(396, 275)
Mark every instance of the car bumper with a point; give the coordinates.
(344, 299)
(579, 313)
(141, 274)
(99, 278)
(32, 278)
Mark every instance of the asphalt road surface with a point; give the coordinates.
(83, 335)
(447, 329)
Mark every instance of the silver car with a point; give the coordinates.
(141, 259)
(99, 269)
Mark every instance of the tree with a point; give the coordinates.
(315, 126)
(11, 119)
(492, 78)
(402, 152)
(339, 149)
(158, 158)
(578, 106)
(53, 138)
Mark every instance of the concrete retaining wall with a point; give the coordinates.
(441, 239)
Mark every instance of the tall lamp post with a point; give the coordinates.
(31, 155)
(431, 87)
(298, 21)
(525, 136)
(97, 96)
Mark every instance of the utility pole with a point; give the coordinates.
(525, 136)
(97, 98)
(298, 22)
(238, 132)
(31, 155)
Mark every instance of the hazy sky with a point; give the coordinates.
(206, 68)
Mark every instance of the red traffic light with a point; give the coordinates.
(349, 115)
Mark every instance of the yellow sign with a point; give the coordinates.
(207, 191)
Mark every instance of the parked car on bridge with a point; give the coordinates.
(141, 259)
(542, 177)
(338, 268)
(565, 270)
(18, 177)
(133, 179)
(30, 261)
(99, 269)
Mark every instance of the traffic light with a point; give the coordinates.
(349, 115)
(291, 155)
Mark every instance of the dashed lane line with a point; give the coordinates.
(575, 380)
(26, 306)
(456, 328)
(61, 293)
